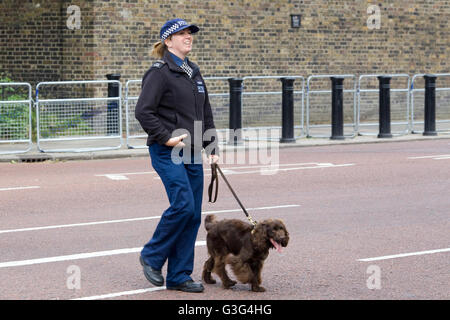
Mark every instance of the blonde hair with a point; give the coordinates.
(159, 48)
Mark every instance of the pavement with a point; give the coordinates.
(34, 155)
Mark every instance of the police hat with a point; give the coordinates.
(175, 25)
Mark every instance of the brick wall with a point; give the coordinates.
(30, 40)
(237, 37)
(240, 38)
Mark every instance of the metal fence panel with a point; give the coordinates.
(318, 108)
(417, 101)
(219, 99)
(15, 118)
(136, 138)
(262, 107)
(368, 105)
(78, 124)
(99, 119)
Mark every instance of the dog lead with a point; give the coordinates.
(214, 178)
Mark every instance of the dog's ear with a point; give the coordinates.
(284, 226)
(268, 223)
(261, 227)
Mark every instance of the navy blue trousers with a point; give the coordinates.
(174, 238)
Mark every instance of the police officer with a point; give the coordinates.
(174, 110)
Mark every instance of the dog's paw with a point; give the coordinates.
(229, 284)
(258, 289)
(209, 280)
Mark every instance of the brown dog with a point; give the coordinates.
(235, 242)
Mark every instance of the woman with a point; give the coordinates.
(174, 99)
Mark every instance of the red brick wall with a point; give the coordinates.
(237, 37)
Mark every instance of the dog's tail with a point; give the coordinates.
(210, 220)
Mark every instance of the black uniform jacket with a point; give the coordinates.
(171, 100)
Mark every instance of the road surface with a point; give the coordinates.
(367, 221)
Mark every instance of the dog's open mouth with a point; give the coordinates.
(276, 245)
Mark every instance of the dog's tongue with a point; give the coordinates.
(276, 245)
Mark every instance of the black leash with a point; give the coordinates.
(214, 178)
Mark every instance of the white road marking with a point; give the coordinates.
(123, 176)
(116, 177)
(135, 219)
(77, 256)
(435, 157)
(19, 188)
(123, 293)
(126, 173)
(273, 170)
(78, 224)
(232, 170)
(394, 256)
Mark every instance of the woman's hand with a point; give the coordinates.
(213, 158)
(176, 141)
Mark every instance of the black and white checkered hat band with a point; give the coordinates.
(176, 26)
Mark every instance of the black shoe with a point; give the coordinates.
(188, 286)
(152, 275)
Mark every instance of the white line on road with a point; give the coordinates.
(19, 188)
(125, 173)
(123, 176)
(123, 293)
(394, 256)
(134, 219)
(77, 256)
(116, 177)
(231, 170)
(275, 169)
(435, 157)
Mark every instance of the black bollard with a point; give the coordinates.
(287, 112)
(235, 120)
(430, 105)
(112, 117)
(385, 107)
(337, 108)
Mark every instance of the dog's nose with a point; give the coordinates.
(284, 241)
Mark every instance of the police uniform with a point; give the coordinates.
(174, 97)
(170, 100)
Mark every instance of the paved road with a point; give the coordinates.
(367, 221)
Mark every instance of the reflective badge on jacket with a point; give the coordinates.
(200, 87)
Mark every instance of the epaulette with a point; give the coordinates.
(158, 64)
